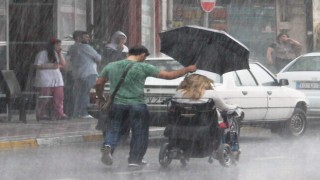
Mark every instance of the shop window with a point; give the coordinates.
(254, 24)
(187, 12)
(147, 25)
(71, 16)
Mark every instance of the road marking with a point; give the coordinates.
(270, 158)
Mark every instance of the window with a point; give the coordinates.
(71, 16)
(262, 76)
(168, 65)
(236, 79)
(253, 18)
(246, 78)
(147, 25)
(307, 63)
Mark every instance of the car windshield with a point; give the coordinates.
(170, 65)
(306, 63)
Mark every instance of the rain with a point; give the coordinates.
(278, 133)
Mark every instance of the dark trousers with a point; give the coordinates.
(281, 63)
(138, 118)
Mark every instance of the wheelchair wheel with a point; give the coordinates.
(164, 156)
(225, 156)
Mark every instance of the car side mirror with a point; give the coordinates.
(283, 82)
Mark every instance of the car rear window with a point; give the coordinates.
(306, 63)
(167, 65)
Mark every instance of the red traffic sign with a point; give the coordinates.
(207, 5)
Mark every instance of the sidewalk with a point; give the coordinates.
(16, 134)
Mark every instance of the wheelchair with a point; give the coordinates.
(193, 131)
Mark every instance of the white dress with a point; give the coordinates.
(47, 77)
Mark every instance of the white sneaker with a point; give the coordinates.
(137, 165)
(86, 117)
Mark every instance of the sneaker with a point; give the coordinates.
(86, 117)
(137, 165)
(133, 165)
(106, 155)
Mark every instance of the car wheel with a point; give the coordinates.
(296, 125)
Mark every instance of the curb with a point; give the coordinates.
(49, 142)
(155, 136)
(27, 143)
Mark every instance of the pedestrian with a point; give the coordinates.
(281, 52)
(115, 50)
(49, 79)
(129, 102)
(84, 71)
(68, 77)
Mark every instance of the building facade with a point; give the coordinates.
(27, 25)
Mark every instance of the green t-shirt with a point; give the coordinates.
(131, 90)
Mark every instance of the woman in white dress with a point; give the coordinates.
(49, 79)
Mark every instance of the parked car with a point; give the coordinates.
(265, 101)
(303, 74)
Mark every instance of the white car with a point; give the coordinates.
(303, 74)
(264, 100)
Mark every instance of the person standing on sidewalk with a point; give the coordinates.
(49, 79)
(129, 102)
(84, 71)
(68, 77)
(115, 50)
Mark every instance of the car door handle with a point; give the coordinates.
(244, 92)
(269, 92)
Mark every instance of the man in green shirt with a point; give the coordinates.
(129, 102)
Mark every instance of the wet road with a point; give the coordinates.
(264, 156)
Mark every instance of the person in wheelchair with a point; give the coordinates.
(197, 88)
(193, 128)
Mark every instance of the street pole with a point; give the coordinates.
(206, 20)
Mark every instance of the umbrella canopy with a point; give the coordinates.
(208, 49)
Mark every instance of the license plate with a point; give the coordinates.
(308, 85)
(154, 100)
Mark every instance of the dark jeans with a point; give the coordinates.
(138, 118)
(81, 90)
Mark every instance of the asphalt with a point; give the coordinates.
(46, 133)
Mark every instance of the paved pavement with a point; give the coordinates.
(15, 134)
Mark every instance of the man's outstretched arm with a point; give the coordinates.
(177, 73)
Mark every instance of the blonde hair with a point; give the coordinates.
(194, 86)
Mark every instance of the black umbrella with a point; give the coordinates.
(209, 49)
